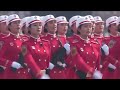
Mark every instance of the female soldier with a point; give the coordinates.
(10, 51)
(84, 56)
(36, 52)
(111, 61)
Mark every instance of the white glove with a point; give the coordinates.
(45, 76)
(64, 65)
(97, 75)
(51, 66)
(111, 66)
(105, 49)
(16, 65)
(67, 47)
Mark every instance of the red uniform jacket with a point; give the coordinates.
(37, 55)
(113, 57)
(56, 43)
(86, 57)
(10, 52)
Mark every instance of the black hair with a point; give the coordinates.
(45, 29)
(108, 28)
(29, 30)
(23, 31)
(78, 31)
(8, 27)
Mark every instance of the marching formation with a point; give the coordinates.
(36, 47)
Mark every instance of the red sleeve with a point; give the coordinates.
(32, 64)
(3, 61)
(78, 62)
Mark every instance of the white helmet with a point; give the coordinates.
(82, 20)
(11, 18)
(3, 18)
(111, 20)
(61, 19)
(32, 19)
(48, 18)
(73, 20)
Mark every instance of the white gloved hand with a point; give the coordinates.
(67, 47)
(105, 49)
(16, 65)
(97, 75)
(44, 75)
(51, 66)
(111, 66)
(64, 65)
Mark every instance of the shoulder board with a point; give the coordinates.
(75, 41)
(44, 40)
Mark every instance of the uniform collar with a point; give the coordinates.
(52, 35)
(99, 35)
(35, 39)
(85, 40)
(114, 35)
(5, 34)
(61, 35)
(17, 36)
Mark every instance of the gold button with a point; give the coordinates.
(44, 51)
(59, 71)
(39, 60)
(59, 46)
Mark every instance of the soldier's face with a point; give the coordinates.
(113, 28)
(3, 26)
(36, 28)
(85, 29)
(51, 26)
(119, 27)
(62, 28)
(24, 28)
(74, 28)
(99, 27)
(15, 26)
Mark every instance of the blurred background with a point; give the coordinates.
(68, 14)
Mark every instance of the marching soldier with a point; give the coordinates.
(60, 70)
(36, 52)
(24, 30)
(93, 24)
(11, 49)
(72, 25)
(50, 24)
(4, 33)
(3, 27)
(111, 61)
(84, 56)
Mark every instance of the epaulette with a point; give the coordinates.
(6, 36)
(75, 41)
(45, 40)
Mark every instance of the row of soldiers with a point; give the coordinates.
(43, 51)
